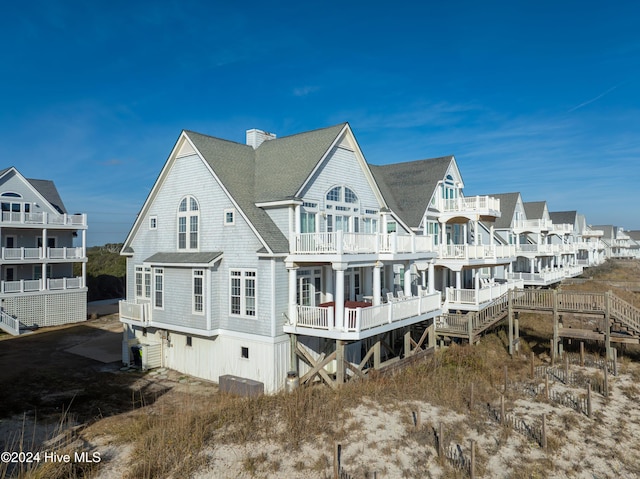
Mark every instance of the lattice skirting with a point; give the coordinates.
(48, 309)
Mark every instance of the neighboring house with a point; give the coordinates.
(245, 258)
(617, 243)
(38, 286)
(428, 196)
(635, 243)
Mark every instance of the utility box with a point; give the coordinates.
(151, 355)
(240, 386)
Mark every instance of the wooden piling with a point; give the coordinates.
(546, 387)
(566, 368)
(532, 371)
(472, 464)
(506, 379)
(582, 353)
(606, 380)
(502, 415)
(615, 362)
(544, 431)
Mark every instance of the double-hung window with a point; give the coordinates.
(143, 282)
(158, 291)
(198, 291)
(242, 289)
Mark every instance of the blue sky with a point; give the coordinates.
(539, 97)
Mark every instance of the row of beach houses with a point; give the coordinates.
(260, 261)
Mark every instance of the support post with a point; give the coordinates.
(615, 362)
(554, 349)
(544, 431)
(607, 324)
(532, 371)
(506, 379)
(516, 332)
(510, 313)
(606, 380)
(566, 369)
(407, 344)
(502, 418)
(582, 353)
(376, 355)
(293, 345)
(339, 362)
(472, 465)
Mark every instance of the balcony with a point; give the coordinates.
(563, 228)
(471, 207)
(135, 313)
(340, 242)
(35, 285)
(36, 254)
(10, 218)
(531, 250)
(546, 277)
(532, 226)
(477, 299)
(475, 252)
(361, 321)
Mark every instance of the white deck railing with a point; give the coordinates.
(22, 254)
(562, 228)
(541, 278)
(361, 319)
(340, 242)
(533, 225)
(30, 219)
(467, 251)
(10, 324)
(139, 312)
(547, 249)
(31, 285)
(476, 297)
(470, 204)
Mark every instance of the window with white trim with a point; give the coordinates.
(242, 289)
(188, 223)
(158, 290)
(143, 282)
(153, 222)
(229, 217)
(198, 291)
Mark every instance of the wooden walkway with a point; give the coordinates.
(615, 320)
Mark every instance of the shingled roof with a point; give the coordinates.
(48, 189)
(508, 203)
(534, 209)
(563, 217)
(274, 171)
(408, 187)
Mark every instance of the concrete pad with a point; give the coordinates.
(104, 346)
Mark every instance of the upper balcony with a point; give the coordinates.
(562, 229)
(472, 207)
(343, 243)
(362, 320)
(22, 255)
(31, 220)
(533, 250)
(532, 226)
(36, 285)
(588, 233)
(476, 253)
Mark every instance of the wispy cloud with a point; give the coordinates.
(305, 90)
(588, 102)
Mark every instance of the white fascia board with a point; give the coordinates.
(277, 204)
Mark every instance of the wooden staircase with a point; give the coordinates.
(623, 318)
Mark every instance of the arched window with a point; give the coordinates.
(188, 223)
(342, 210)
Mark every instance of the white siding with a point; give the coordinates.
(210, 358)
